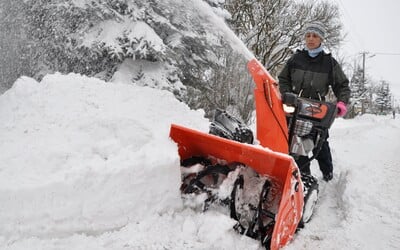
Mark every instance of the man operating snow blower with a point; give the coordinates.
(309, 73)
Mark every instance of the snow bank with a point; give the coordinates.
(82, 155)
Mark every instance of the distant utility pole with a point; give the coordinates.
(363, 81)
(364, 53)
(363, 69)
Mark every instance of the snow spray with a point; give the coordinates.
(218, 24)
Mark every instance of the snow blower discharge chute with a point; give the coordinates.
(261, 185)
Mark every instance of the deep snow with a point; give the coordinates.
(87, 164)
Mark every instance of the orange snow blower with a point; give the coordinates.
(260, 184)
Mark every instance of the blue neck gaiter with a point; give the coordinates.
(314, 52)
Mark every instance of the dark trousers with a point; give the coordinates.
(324, 159)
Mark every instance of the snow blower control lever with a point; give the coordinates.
(309, 121)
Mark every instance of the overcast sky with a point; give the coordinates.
(373, 26)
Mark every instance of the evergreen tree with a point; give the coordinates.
(359, 92)
(198, 62)
(383, 98)
(96, 37)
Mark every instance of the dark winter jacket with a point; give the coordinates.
(310, 77)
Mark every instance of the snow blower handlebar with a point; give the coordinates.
(309, 121)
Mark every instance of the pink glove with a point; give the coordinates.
(341, 109)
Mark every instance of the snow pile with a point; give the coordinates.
(85, 157)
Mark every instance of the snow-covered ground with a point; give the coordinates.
(359, 209)
(86, 164)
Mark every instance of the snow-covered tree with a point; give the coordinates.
(383, 100)
(360, 94)
(168, 43)
(183, 48)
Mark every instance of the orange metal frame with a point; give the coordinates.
(272, 131)
(271, 159)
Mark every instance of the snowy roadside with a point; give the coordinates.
(358, 209)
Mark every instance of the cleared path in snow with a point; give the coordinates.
(360, 208)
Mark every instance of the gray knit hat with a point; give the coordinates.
(317, 28)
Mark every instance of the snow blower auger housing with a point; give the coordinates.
(260, 184)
